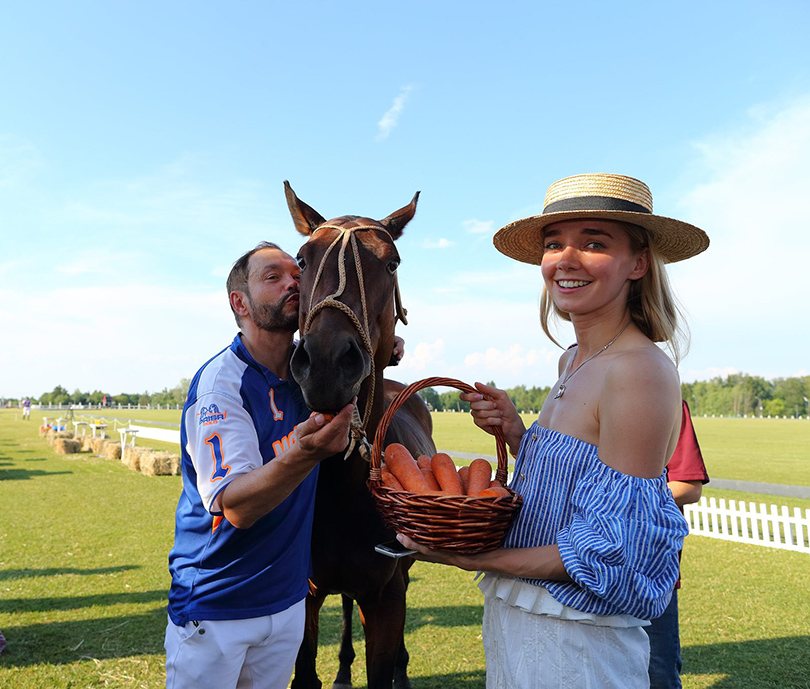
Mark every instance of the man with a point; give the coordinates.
(250, 452)
(26, 405)
(686, 474)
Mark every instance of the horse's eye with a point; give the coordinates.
(301, 262)
(393, 265)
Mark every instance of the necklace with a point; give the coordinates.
(561, 391)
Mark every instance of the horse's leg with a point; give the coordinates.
(384, 622)
(306, 673)
(343, 679)
(401, 680)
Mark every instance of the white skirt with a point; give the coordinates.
(532, 641)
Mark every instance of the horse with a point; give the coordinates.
(350, 303)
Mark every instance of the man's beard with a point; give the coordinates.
(271, 317)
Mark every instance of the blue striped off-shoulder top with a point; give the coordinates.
(618, 535)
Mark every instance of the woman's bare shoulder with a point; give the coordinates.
(639, 411)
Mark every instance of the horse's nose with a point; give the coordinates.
(329, 369)
(350, 360)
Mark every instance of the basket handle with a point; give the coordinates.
(501, 471)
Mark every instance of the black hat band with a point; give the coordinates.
(594, 203)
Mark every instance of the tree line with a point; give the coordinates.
(734, 395)
(60, 397)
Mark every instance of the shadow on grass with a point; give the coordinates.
(54, 571)
(23, 605)
(456, 680)
(58, 643)
(778, 663)
(447, 616)
(27, 474)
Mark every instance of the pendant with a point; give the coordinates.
(560, 392)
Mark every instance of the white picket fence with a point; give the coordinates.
(761, 524)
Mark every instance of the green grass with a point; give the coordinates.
(83, 582)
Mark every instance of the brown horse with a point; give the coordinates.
(349, 307)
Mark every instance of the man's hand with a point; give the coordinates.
(398, 352)
(323, 435)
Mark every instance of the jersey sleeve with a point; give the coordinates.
(222, 444)
(623, 541)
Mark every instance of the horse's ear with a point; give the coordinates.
(396, 222)
(306, 218)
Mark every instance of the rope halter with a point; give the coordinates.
(346, 236)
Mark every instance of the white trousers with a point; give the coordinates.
(256, 653)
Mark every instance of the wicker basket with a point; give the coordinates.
(461, 523)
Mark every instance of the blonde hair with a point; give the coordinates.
(652, 304)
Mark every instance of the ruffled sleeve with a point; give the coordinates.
(623, 541)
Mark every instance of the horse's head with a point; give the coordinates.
(349, 302)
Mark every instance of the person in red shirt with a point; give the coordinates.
(686, 475)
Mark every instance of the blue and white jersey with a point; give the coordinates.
(237, 417)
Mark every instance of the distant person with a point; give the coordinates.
(26, 407)
(686, 474)
(250, 452)
(592, 555)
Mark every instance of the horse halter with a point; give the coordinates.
(345, 237)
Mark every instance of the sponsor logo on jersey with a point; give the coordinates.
(211, 414)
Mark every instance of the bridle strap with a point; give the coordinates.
(347, 237)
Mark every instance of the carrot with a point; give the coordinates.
(389, 479)
(424, 462)
(464, 475)
(480, 476)
(494, 492)
(402, 465)
(445, 472)
(431, 479)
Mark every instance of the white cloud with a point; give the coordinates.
(440, 243)
(747, 294)
(141, 336)
(391, 118)
(474, 226)
(100, 261)
(18, 158)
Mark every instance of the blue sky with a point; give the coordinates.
(143, 146)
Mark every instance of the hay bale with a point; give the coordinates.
(177, 466)
(66, 446)
(97, 445)
(133, 456)
(112, 451)
(87, 443)
(159, 464)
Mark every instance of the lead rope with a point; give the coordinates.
(358, 425)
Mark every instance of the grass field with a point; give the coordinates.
(83, 580)
(763, 450)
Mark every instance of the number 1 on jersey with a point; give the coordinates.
(220, 468)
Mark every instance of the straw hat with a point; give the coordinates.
(603, 197)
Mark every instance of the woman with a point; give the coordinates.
(592, 555)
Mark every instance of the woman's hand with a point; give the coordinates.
(492, 407)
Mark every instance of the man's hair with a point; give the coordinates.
(238, 277)
(652, 304)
